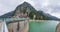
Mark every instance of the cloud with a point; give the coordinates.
(8, 5)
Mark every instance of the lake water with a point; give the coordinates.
(45, 26)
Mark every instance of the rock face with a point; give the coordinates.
(58, 28)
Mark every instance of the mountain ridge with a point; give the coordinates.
(28, 8)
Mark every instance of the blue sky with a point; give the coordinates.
(48, 6)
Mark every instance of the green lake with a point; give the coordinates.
(46, 26)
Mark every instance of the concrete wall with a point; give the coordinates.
(1, 25)
(23, 26)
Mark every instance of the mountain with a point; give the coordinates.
(30, 11)
(47, 16)
(27, 8)
(22, 8)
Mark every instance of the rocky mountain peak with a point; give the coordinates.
(25, 7)
(25, 3)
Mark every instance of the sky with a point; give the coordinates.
(48, 6)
